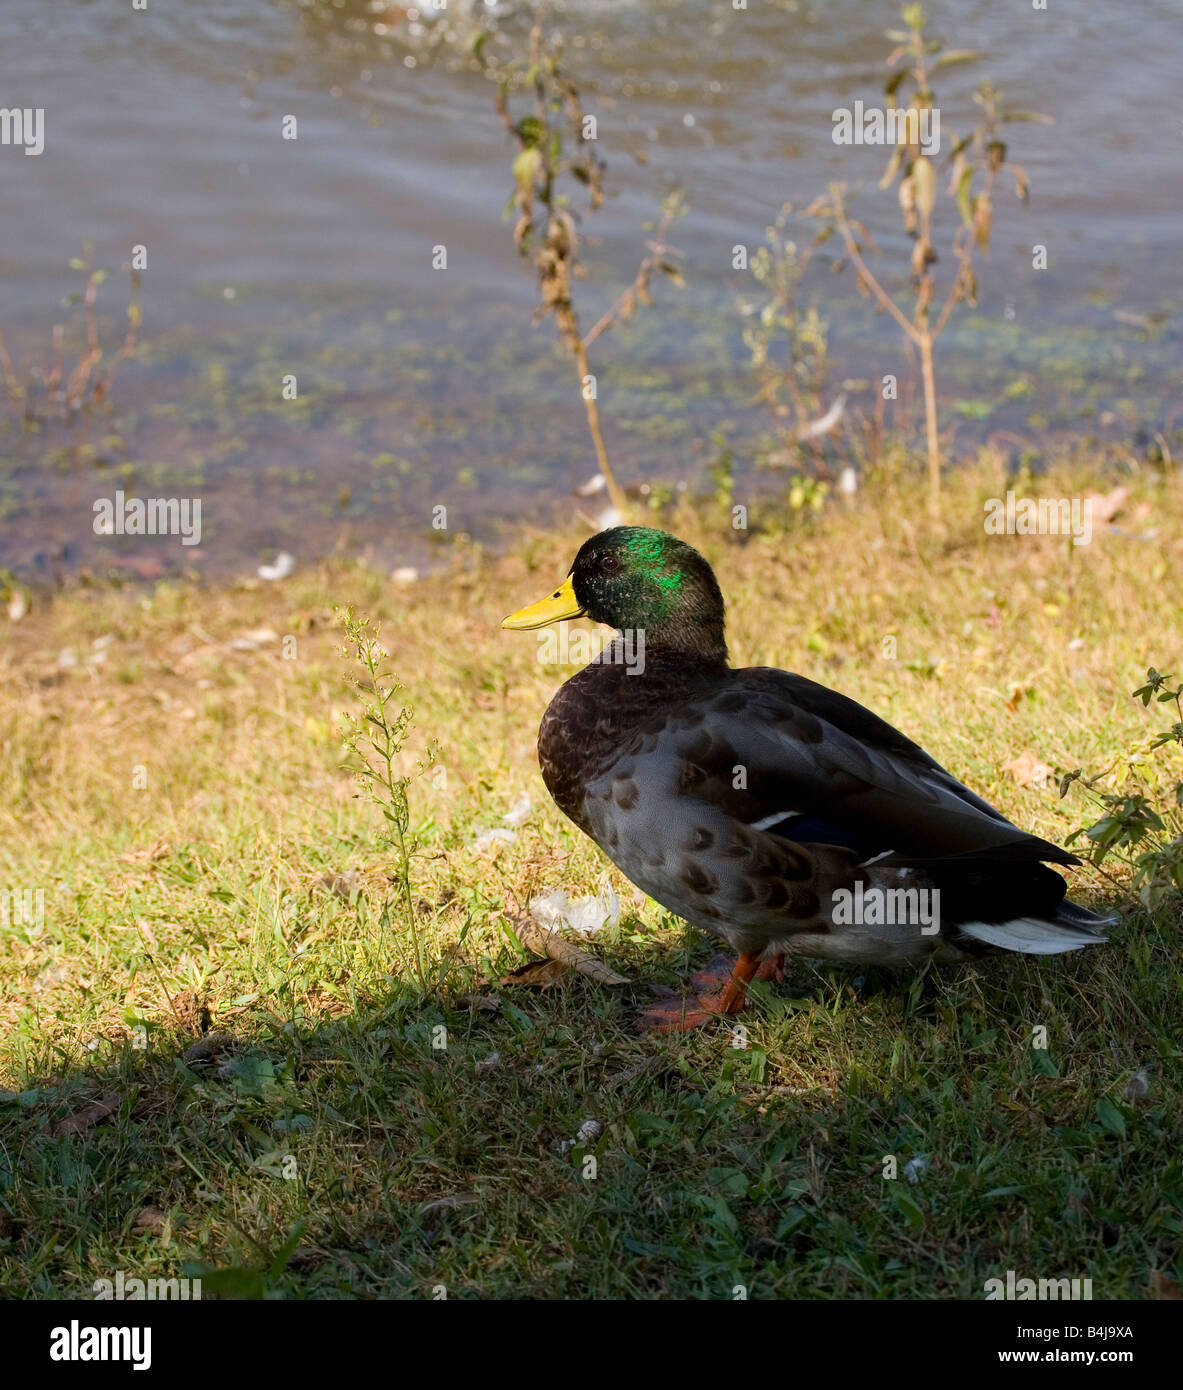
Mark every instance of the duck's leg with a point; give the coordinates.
(772, 969)
(679, 1015)
(718, 970)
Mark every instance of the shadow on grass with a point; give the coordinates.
(902, 1136)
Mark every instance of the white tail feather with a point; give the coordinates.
(1032, 936)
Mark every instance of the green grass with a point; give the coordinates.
(209, 867)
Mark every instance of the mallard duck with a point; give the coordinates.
(765, 808)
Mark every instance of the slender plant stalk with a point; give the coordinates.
(930, 422)
(72, 389)
(982, 153)
(547, 231)
(615, 491)
(375, 740)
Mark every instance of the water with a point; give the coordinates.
(420, 389)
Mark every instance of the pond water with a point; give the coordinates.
(419, 388)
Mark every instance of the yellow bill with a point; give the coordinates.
(551, 609)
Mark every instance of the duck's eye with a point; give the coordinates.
(609, 563)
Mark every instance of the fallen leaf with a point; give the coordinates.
(1104, 507)
(549, 943)
(454, 1199)
(622, 1078)
(142, 566)
(149, 1219)
(157, 850)
(191, 1012)
(341, 886)
(90, 1115)
(1018, 693)
(1165, 1287)
(1028, 770)
(481, 1003)
(210, 1049)
(253, 639)
(542, 974)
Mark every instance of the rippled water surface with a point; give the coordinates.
(313, 257)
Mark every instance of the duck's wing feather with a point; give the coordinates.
(784, 754)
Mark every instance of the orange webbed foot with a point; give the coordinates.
(721, 989)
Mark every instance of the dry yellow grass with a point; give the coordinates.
(174, 785)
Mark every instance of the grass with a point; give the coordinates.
(219, 1059)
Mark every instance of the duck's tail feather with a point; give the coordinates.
(1073, 914)
(1072, 927)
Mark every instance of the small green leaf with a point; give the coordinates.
(973, 410)
(286, 1251)
(789, 1222)
(910, 1209)
(530, 131)
(964, 202)
(924, 180)
(1111, 1117)
(720, 1213)
(235, 1282)
(526, 167)
(957, 55)
(1042, 1062)
(521, 1021)
(731, 1182)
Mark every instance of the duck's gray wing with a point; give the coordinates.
(779, 753)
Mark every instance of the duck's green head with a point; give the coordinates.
(636, 578)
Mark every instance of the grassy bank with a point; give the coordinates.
(219, 1060)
